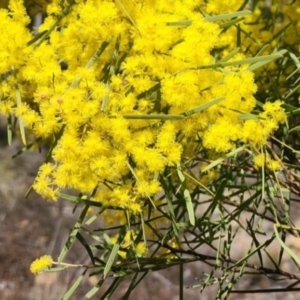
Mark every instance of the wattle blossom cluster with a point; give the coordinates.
(273, 25)
(121, 86)
(41, 264)
(282, 30)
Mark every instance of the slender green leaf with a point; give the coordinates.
(91, 62)
(55, 23)
(73, 288)
(244, 4)
(228, 16)
(250, 253)
(203, 107)
(94, 217)
(220, 160)
(180, 23)
(26, 148)
(97, 54)
(86, 246)
(257, 65)
(247, 117)
(297, 128)
(297, 63)
(114, 252)
(286, 248)
(230, 55)
(112, 287)
(110, 261)
(256, 242)
(167, 187)
(243, 206)
(154, 88)
(37, 37)
(131, 287)
(230, 23)
(9, 130)
(295, 59)
(73, 234)
(79, 200)
(290, 108)
(211, 18)
(292, 92)
(95, 289)
(143, 227)
(153, 117)
(56, 269)
(19, 103)
(250, 60)
(128, 15)
(262, 50)
(187, 196)
(217, 197)
(293, 74)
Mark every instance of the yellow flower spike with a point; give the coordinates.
(41, 264)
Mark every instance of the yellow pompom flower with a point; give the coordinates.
(41, 264)
(274, 165)
(141, 249)
(264, 160)
(259, 160)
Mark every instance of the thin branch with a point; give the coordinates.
(204, 257)
(283, 290)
